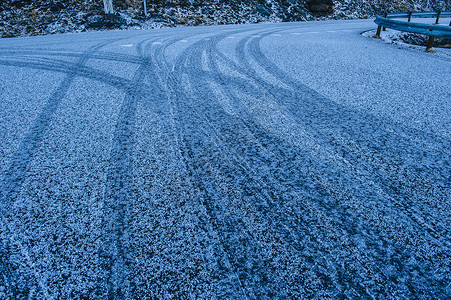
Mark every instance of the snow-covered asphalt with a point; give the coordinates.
(295, 160)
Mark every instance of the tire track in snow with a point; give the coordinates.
(120, 192)
(229, 283)
(247, 68)
(14, 177)
(44, 53)
(165, 215)
(325, 207)
(82, 71)
(202, 180)
(296, 223)
(356, 151)
(372, 147)
(256, 80)
(204, 109)
(332, 188)
(211, 178)
(244, 166)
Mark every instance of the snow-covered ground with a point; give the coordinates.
(294, 160)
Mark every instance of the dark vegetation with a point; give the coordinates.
(39, 17)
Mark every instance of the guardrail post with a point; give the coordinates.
(385, 16)
(438, 17)
(378, 32)
(429, 45)
(410, 16)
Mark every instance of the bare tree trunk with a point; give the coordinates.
(108, 6)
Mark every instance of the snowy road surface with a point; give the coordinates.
(297, 160)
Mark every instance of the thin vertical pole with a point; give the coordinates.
(145, 8)
(410, 16)
(438, 17)
(378, 32)
(385, 16)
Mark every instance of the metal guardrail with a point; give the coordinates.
(407, 26)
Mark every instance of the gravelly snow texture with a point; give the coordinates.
(295, 160)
